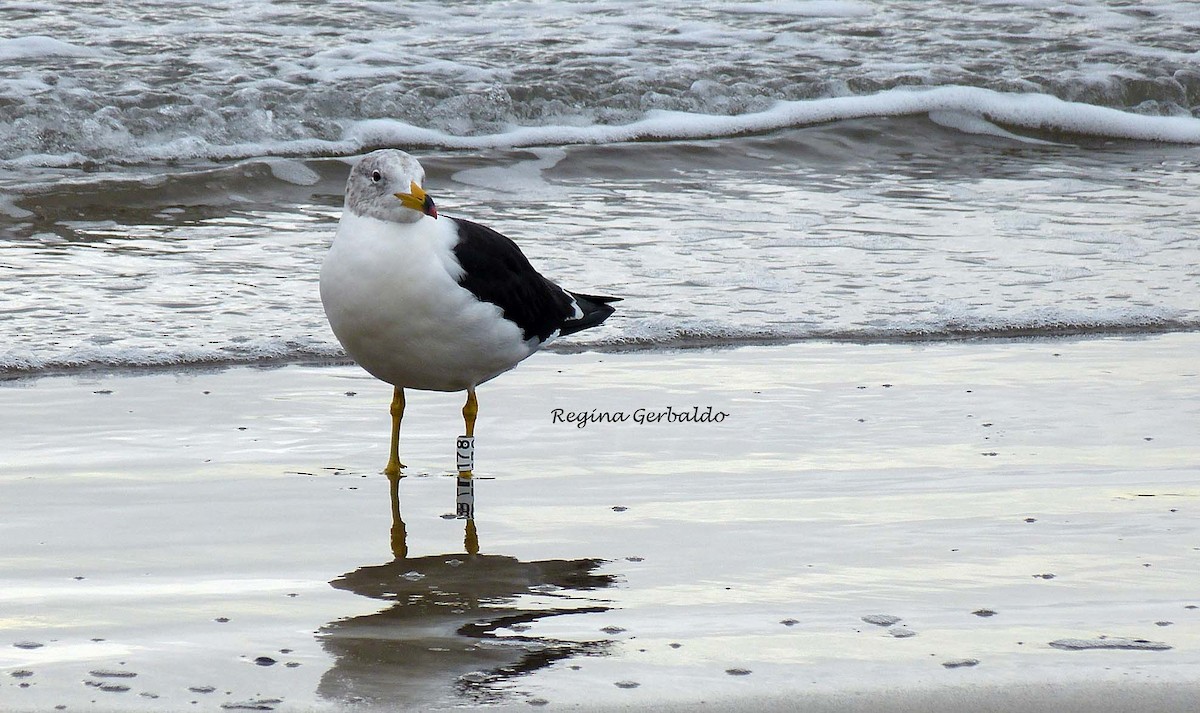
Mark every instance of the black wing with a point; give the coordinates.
(497, 271)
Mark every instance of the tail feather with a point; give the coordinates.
(595, 310)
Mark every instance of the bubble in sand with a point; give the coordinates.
(984, 612)
(960, 663)
(21, 673)
(789, 622)
(113, 687)
(413, 576)
(612, 630)
(1104, 642)
(901, 633)
(626, 684)
(537, 701)
(258, 704)
(29, 645)
(202, 689)
(738, 671)
(112, 673)
(881, 619)
(264, 661)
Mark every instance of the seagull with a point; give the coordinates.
(437, 304)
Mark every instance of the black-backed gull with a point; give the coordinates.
(435, 304)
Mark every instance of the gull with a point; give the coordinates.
(438, 304)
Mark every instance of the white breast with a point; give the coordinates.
(391, 294)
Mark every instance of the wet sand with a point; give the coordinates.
(982, 525)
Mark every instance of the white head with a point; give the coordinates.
(386, 184)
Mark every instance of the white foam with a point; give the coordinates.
(523, 177)
(9, 208)
(809, 8)
(953, 322)
(974, 124)
(637, 330)
(39, 46)
(967, 108)
(264, 350)
(293, 172)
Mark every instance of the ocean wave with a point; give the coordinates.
(106, 358)
(968, 109)
(649, 335)
(156, 81)
(990, 110)
(40, 46)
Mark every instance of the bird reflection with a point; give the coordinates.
(457, 624)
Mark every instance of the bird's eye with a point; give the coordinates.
(376, 176)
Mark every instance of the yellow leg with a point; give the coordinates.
(392, 470)
(470, 411)
(471, 538)
(399, 532)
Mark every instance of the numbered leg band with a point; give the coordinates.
(466, 454)
(465, 499)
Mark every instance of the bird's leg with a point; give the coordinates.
(470, 411)
(392, 470)
(399, 533)
(471, 538)
(470, 535)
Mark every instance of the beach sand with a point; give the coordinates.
(949, 526)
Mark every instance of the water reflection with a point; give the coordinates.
(458, 624)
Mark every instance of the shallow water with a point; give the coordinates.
(867, 229)
(151, 80)
(744, 172)
(184, 524)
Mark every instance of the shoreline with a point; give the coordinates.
(1003, 335)
(182, 525)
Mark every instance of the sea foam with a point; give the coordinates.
(639, 334)
(1034, 112)
(968, 109)
(39, 46)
